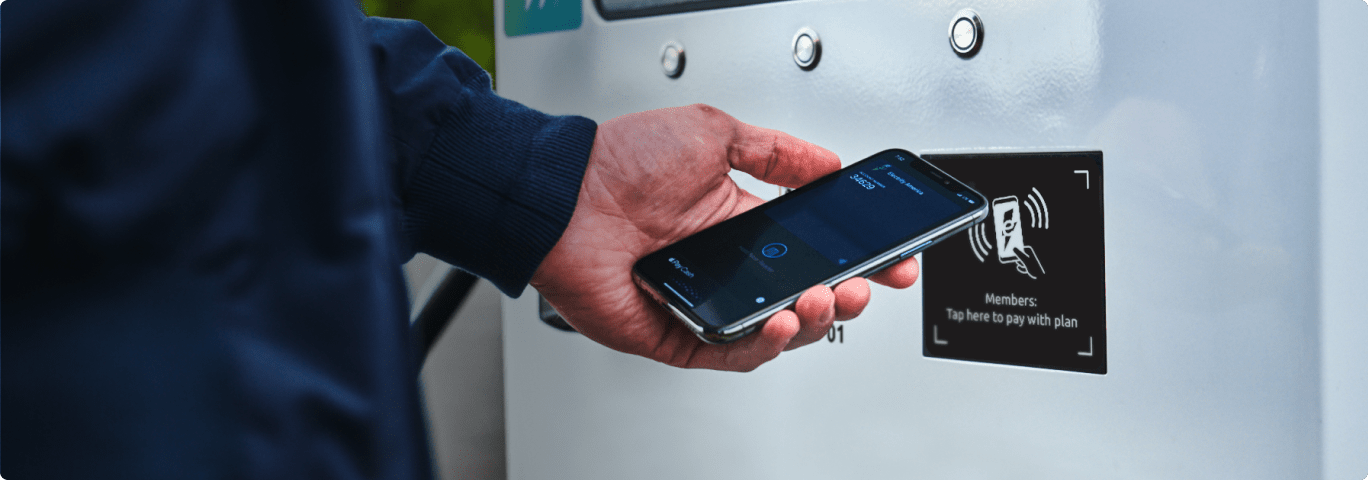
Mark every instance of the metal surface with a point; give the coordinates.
(1343, 173)
(1232, 333)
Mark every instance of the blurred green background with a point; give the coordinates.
(464, 24)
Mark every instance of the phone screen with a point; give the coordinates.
(761, 257)
(1007, 228)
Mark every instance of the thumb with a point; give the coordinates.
(779, 158)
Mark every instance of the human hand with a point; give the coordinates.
(654, 178)
(1028, 263)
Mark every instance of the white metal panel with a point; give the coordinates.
(1208, 116)
(1344, 201)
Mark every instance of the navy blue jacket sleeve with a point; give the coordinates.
(483, 182)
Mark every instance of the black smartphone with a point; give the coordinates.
(725, 281)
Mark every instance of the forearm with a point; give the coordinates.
(482, 182)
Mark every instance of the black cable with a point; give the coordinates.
(441, 307)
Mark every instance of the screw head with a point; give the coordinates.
(966, 33)
(807, 48)
(672, 59)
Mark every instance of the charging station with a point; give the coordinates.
(1188, 179)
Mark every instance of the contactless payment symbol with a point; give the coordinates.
(774, 250)
(525, 17)
(1009, 232)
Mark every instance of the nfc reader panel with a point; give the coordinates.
(1026, 286)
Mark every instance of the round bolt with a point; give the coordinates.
(966, 33)
(807, 48)
(672, 59)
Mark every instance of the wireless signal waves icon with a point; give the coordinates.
(1040, 214)
(979, 242)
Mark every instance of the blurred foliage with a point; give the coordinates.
(464, 24)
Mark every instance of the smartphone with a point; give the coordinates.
(1007, 228)
(726, 280)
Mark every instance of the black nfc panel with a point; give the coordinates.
(1026, 286)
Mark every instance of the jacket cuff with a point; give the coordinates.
(494, 202)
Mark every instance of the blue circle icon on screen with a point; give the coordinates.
(774, 250)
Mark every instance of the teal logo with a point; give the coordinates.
(525, 17)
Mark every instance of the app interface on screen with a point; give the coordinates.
(863, 212)
(725, 273)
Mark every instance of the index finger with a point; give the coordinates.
(899, 275)
(777, 157)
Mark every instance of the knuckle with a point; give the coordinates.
(714, 117)
(705, 109)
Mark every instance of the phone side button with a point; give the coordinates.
(914, 250)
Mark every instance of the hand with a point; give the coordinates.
(1028, 263)
(656, 177)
